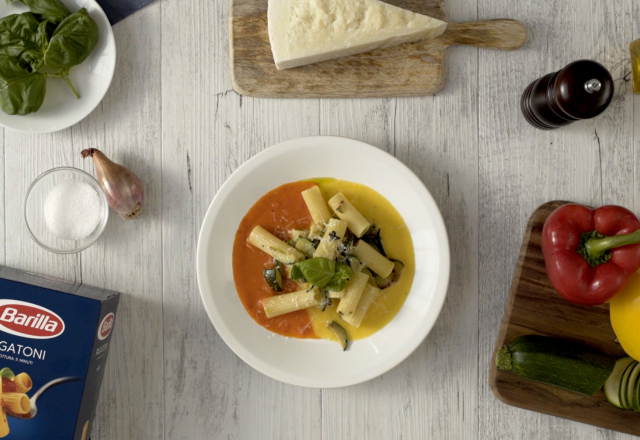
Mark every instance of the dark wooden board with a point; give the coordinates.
(411, 69)
(533, 307)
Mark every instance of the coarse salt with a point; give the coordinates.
(72, 210)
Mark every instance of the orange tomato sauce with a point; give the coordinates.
(278, 211)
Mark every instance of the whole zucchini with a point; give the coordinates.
(556, 362)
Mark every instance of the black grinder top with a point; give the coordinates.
(582, 90)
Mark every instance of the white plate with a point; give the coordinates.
(321, 363)
(91, 79)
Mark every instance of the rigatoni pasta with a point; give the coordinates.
(23, 383)
(272, 245)
(373, 259)
(16, 403)
(13, 400)
(368, 297)
(317, 206)
(345, 210)
(290, 302)
(331, 240)
(4, 424)
(352, 294)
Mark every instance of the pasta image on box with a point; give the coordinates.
(54, 341)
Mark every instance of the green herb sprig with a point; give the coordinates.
(43, 43)
(322, 273)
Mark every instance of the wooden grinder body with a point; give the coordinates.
(582, 90)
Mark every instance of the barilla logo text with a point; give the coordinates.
(105, 326)
(29, 320)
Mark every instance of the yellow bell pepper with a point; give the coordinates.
(634, 49)
(625, 316)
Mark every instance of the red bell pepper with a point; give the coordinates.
(589, 253)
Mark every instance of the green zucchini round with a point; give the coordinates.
(613, 384)
(556, 362)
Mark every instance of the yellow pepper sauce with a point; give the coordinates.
(284, 206)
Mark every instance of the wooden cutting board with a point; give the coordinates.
(412, 69)
(533, 307)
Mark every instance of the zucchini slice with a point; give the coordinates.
(563, 364)
(340, 333)
(372, 279)
(306, 247)
(393, 278)
(325, 300)
(273, 277)
(354, 263)
(636, 396)
(631, 385)
(612, 385)
(622, 391)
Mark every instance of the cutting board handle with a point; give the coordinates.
(503, 34)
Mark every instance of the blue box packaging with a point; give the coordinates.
(54, 341)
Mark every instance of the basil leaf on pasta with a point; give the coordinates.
(317, 271)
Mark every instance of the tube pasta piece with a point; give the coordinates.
(352, 294)
(347, 212)
(299, 233)
(316, 231)
(4, 425)
(16, 403)
(317, 206)
(336, 295)
(373, 259)
(23, 383)
(290, 302)
(331, 240)
(368, 297)
(272, 245)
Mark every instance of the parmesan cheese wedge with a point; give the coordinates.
(309, 31)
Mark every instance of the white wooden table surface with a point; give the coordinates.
(172, 117)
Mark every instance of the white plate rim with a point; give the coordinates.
(206, 232)
(81, 116)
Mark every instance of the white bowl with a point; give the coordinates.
(320, 363)
(91, 79)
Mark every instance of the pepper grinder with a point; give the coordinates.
(582, 90)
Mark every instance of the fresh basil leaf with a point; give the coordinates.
(339, 280)
(50, 10)
(35, 57)
(296, 273)
(42, 37)
(7, 373)
(72, 41)
(317, 271)
(21, 92)
(23, 37)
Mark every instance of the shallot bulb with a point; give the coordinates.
(122, 188)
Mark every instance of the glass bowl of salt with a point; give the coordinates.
(65, 210)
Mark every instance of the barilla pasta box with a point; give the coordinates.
(54, 342)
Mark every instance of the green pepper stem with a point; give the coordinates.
(73, 89)
(596, 247)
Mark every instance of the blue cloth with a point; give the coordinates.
(116, 10)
